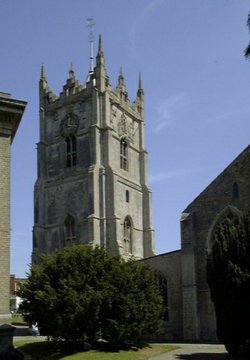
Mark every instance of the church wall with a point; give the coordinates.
(169, 266)
(203, 212)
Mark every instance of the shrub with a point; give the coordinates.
(85, 295)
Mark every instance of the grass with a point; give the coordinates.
(39, 350)
(17, 319)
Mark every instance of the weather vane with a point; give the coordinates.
(90, 25)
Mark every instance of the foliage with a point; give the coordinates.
(84, 295)
(247, 51)
(17, 319)
(47, 350)
(228, 275)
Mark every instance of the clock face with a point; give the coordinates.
(69, 124)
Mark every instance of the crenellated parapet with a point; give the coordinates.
(97, 80)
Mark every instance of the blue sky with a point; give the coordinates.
(195, 78)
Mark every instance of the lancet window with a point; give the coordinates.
(127, 235)
(127, 196)
(123, 154)
(236, 190)
(70, 230)
(71, 151)
(163, 287)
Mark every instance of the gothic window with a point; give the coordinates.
(123, 154)
(236, 190)
(229, 218)
(69, 230)
(127, 196)
(71, 151)
(127, 235)
(163, 287)
(230, 215)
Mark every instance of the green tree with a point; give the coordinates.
(80, 294)
(228, 275)
(247, 51)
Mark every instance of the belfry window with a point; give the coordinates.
(127, 235)
(123, 154)
(71, 151)
(69, 230)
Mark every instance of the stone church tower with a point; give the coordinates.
(92, 185)
(11, 112)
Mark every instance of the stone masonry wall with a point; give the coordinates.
(205, 211)
(169, 266)
(4, 226)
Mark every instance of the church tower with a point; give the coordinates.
(92, 185)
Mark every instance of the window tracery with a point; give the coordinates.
(229, 215)
(70, 151)
(69, 230)
(123, 154)
(127, 235)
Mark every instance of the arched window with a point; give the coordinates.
(236, 191)
(123, 154)
(163, 287)
(228, 215)
(127, 235)
(70, 151)
(69, 229)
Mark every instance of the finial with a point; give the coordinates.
(140, 82)
(100, 54)
(121, 77)
(71, 70)
(43, 76)
(43, 85)
(140, 91)
(100, 70)
(100, 45)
